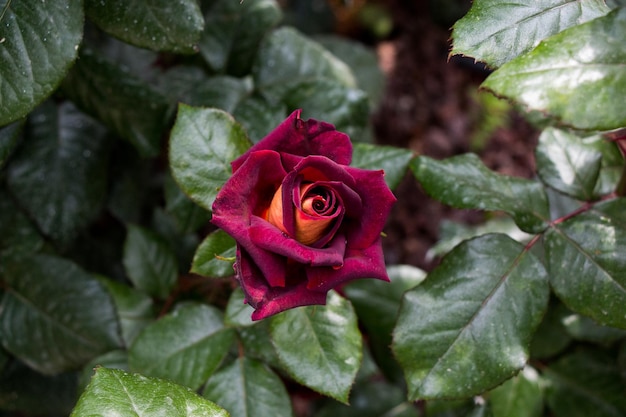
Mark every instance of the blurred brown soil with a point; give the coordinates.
(430, 106)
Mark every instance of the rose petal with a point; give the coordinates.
(268, 237)
(279, 300)
(303, 137)
(358, 263)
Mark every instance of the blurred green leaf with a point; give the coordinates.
(320, 346)
(376, 304)
(584, 328)
(115, 359)
(123, 102)
(38, 44)
(395, 161)
(192, 341)
(160, 25)
(286, 58)
(585, 383)
(115, 393)
(188, 215)
(215, 255)
(238, 313)
(520, 396)
(259, 117)
(257, 344)
(18, 235)
(27, 392)
(55, 316)
(135, 309)
(495, 32)
(586, 264)
(567, 164)
(565, 73)
(233, 32)
(202, 145)
(467, 327)
(248, 388)
(149, 262)
(363, 62)
(551, 337)
(59, 173)
(9, 137)
(464, 182)
(372, 399)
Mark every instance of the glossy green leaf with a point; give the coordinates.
(567, 164)
(135, 309)
(54, 315)
(612, 165)
(215, 256)
(256, 343)
(38, 44)
(192, 342)
(394, 161)
(520, 396)
(586, 263)
(115, 359)
(202, 145)
(188, 215)
(563, 75)
(286, 58)
(376, 304)
(9, 137)
(238, 313)
(320, 346)
(467, 327)
(234, 31)
(248, 388)
(329, 100)
(27, 392)
(115, 393)
(464, 182)
(160, 25)
(376, 398)
(149, 262)
(122, 101)
(495, 32)
(583, 384)
(59, 174)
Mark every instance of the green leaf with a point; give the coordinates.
(234, 31)
(583, 328)
(135, 309)
(123, 102)
(376, 304)
(38, 44)
(248, 388)
(54, 315)
(115, 393)
(520, 396)
(320, 346)
(188, 215)
(374, 398)
(238, 312)
(27, 392)
(394, 161)
(612, 165)
(9, 137)
(585, 383)
(149, 262)
(564, 75)
(18, 236)
(467, 327)
(59, 174)
(464, 182)
(192, 342)
(551, 337)
(160, 25)
(584, 256)
(567, 164)
(286, 58)
(329, 100)
(259, 117)
(257, 344)
(496, 32)
(215, 255)
(363, 62)
(115, 359)
(202, 145)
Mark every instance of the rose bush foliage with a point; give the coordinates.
(304, 221)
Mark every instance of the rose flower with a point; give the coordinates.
(304, 221)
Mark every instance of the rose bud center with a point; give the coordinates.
(314, 213)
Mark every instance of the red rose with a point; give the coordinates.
(304, 221)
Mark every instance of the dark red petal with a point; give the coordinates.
(279, 300)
